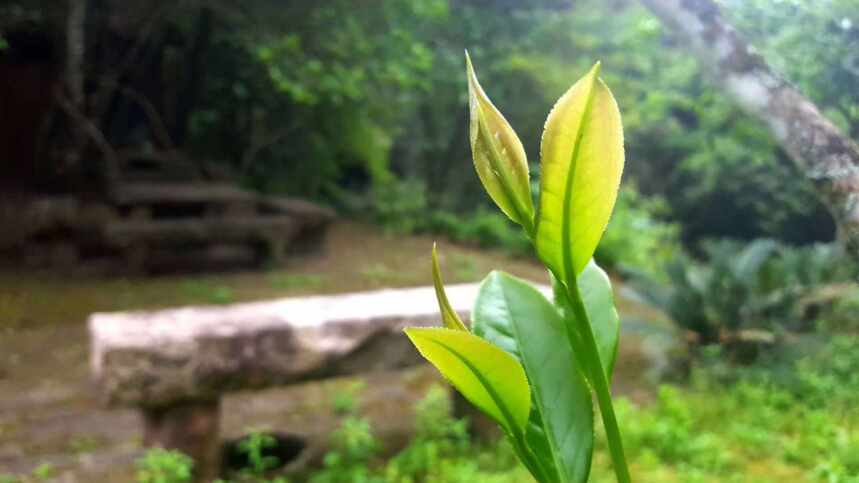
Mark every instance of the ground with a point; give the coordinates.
(49, 415)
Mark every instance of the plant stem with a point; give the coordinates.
(598, 379)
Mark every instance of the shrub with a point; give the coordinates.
(437, 436)
(637, 238)
(164, 466)
(353, 449)
(742, 288)
(399, 206)
(485, 228)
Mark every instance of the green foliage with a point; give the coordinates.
(820, 68)
(777, 430)
(164, 466)
(829, 376)
(709, 298)
(290, 281)
(253, 446)
(43, 472)
(637, 238)
(345, 400)
(581, 161)
(486, 375)
(437, 437)
(399, 206)
(440, 451)
(484, 228)
(797, 423)
(543, 403)
(513, 315)
(759, 285)
(353, 448)
(207, 293)
(716, 168)
(317, 98)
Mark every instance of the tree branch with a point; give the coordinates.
(826, 157)
(112, 169)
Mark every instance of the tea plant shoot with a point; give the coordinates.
(531, 364)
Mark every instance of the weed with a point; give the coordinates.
(207, 292)
(164, 466)
(286, 281)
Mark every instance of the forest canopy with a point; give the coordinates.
(364, 104)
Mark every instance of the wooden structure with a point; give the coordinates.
(157, 225)
(168, 222)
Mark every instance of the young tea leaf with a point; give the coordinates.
(582, 160)
(449, 316)
(598, 298)
(499, 157)
(486, 375)
(512, 314)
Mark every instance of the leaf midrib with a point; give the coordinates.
(566, 218)
(505, 411)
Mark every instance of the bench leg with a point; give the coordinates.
(192, 428)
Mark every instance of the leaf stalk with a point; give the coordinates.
(598, 378)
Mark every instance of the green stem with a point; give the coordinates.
(598, 378)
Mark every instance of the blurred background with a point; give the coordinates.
(161, 154)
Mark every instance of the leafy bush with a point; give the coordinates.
(354, 448)
(439, 452)
(399, 206)
(164, 466)
(740, 287)
(254, 447)
(708, 298)
(437, 436)
(485, 228)
(636, 236)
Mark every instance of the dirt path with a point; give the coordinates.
(47, 410)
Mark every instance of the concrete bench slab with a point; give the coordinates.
(158, 358)
(176, 364)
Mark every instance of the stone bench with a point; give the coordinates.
(175, 365)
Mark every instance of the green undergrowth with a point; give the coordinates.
(791, 420)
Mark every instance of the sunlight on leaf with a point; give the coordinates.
(582, 161)
(488, 377)
(499, 157)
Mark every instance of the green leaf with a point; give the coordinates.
(598, 297)
(499, 157)
(486, 375)
(582, 161)
(449, 316)
(515, 316)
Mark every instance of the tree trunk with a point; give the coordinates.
(826, 157)
(74, 80)
(75, 50)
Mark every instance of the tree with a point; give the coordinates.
(827, 157)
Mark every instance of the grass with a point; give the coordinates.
(759, 424)
(792, 421)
